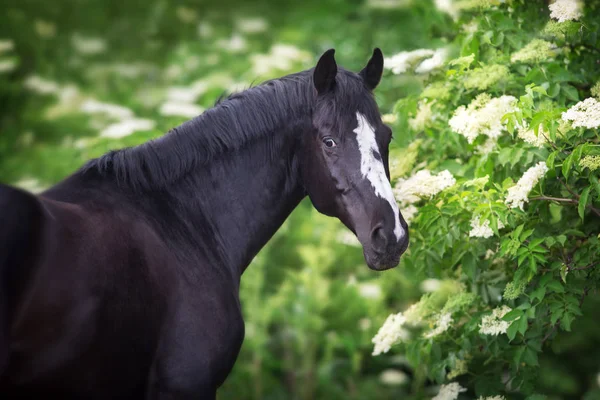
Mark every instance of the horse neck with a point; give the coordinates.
(240, 199)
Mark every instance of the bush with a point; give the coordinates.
(503, 197)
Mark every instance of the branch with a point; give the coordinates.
(570, 201)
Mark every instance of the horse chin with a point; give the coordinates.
(381, 263)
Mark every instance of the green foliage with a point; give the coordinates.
(527, 265)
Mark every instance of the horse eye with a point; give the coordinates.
(329, 142)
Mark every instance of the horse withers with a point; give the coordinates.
(122, 281)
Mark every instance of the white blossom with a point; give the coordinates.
(88, 45)
(483, 116)
(430, 285)
(92, 106)
(369, 290)
(518, 194)
(389, 118)
(31, 185)
(584, 114)
(491, 398)
(6, 45)
(40, 85)
(393, 377)
(180, 109)
(7, 65)
(364, 324)
(487, 147)
(401, 62)
(204, 29)
(423, 116)
(442, 324)
(566, 10)
(433, 63)
(390, 333)
(482, 230)
(234, 44)
(187, 94)
(280, 57)
(408, 213)
(528, 135)
(387, 4)
(422, 185)
(493, 324)
(252, 24)
(449, 391)
(448, 7)
(127, 127)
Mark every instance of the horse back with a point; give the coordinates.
(84, 282)
(21, 224)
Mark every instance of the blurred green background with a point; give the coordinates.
(81, 77)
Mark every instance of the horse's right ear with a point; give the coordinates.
(325, 72)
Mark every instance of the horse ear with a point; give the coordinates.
(371, 74)
(325, 71)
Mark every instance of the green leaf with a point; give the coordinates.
(523, 325)
(512, 315)
(567, 164)
(530, 357)
(550, 159)
(583, 199)
(555, 286)
(512, 330)
(566, 320)
(539, 293)
(570, 92)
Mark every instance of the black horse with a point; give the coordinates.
(122, 281)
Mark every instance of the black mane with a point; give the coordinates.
(232, 123)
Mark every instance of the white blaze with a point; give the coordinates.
(373, 169)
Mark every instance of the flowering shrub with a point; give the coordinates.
(503, 195)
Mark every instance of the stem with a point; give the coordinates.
(570, 201)
(559, 199)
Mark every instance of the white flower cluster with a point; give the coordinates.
(482, 230)
(493, 324)
(441, 325)
(181, 100)
(234, 44)
(390, 333)
(448, 7)
(280, 57)
(88, 45)
(423, 116)
(251, 25)
(431, 64)
(92, 106)
(393, 377)
(566, 10)
(492, 398)
(528, 135)
(422, 60)
(449, 391)
(41, 85)
(408, 213)
(127, 127)
(517, 195)
(483, 116)
(422, 185)
(584, 114)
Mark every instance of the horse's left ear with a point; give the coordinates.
(371, 74)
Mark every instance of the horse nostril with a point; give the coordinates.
(378, 239)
